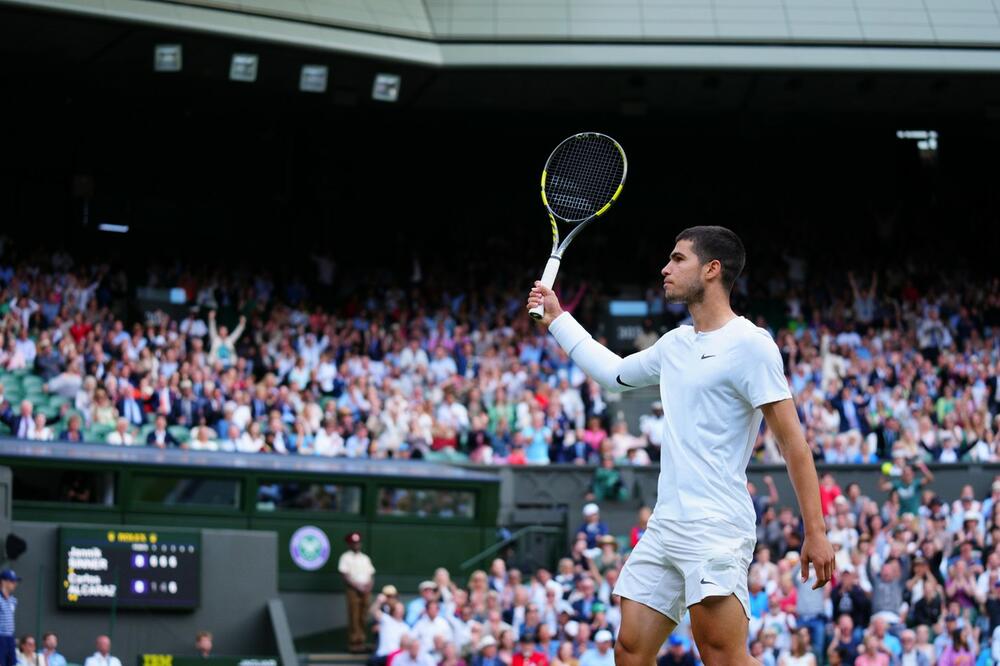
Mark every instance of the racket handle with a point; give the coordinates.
(548, 279)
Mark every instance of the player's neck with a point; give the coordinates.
(710, 314)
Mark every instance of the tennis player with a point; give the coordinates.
(717, 380)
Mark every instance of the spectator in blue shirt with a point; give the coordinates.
(592, 526)
(50, 645)
(601, 654)
(8, 606)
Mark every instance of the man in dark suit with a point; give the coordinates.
(22, 425)
(160, 437)
(189, 408)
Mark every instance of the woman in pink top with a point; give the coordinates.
(874, 654)
(956, 654)
(594, 435)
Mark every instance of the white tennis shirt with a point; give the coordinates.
(712, 386)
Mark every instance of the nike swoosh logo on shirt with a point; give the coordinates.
(707, 582)
(619, 380)
(704, 356)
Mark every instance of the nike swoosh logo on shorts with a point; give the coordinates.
(704, 356)
(707, 582)
(619, 380)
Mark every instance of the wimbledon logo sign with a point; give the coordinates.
(310, 548)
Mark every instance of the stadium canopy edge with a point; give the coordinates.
(419, 45)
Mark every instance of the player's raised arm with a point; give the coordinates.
(783, 420)
(610, 370)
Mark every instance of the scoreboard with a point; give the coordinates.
(100, 567)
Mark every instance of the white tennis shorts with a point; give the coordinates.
(676, 564)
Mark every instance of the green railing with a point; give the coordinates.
(556, 534)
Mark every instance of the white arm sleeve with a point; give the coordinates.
(610, 370)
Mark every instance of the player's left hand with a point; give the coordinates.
(816, 549)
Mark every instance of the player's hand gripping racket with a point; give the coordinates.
(582, 178)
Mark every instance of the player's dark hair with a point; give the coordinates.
(712, 242)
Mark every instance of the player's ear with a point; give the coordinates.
(713, 269)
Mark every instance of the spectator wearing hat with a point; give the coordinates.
(428, 592)
(8, 607)
(601, 654)
(592, 526)
(390, 625)
(526, 654)
(358, 574)
(677, 653)
(487, 655)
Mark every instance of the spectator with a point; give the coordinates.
(601, 654)
(677, 653)
(72, 433)
(159, 436)
(607, 482)
(8, 607)
(487, 652)
(22, 425)
(564, 655)
(957, 653)
(432, 625)
(50, 648)
(527, 654)
(202, 644)
(121, 435)
(391, 625)
(592, 526)
(846, 642)
(800, 654)
(875, 653)
(416, 607)
(27, 654)
(911, 656)
(413, 655)
(103, 656)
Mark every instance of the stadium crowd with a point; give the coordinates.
(880, 368)
(917, 582)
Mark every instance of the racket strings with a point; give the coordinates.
(583, 176)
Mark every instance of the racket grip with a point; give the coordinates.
(548, 279)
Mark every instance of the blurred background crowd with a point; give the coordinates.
(883, 367)
(917, 582)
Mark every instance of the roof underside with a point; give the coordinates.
(949, 35)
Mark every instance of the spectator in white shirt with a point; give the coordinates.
(414, 655)
(42, 432)
(121, 436)
(103, 656)
(391, 625)
(328, 441)
(431, 625)
(26, 346)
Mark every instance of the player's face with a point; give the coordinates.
(682, 276)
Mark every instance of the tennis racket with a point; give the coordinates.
(582, 178)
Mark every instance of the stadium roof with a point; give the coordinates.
(892, 35)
